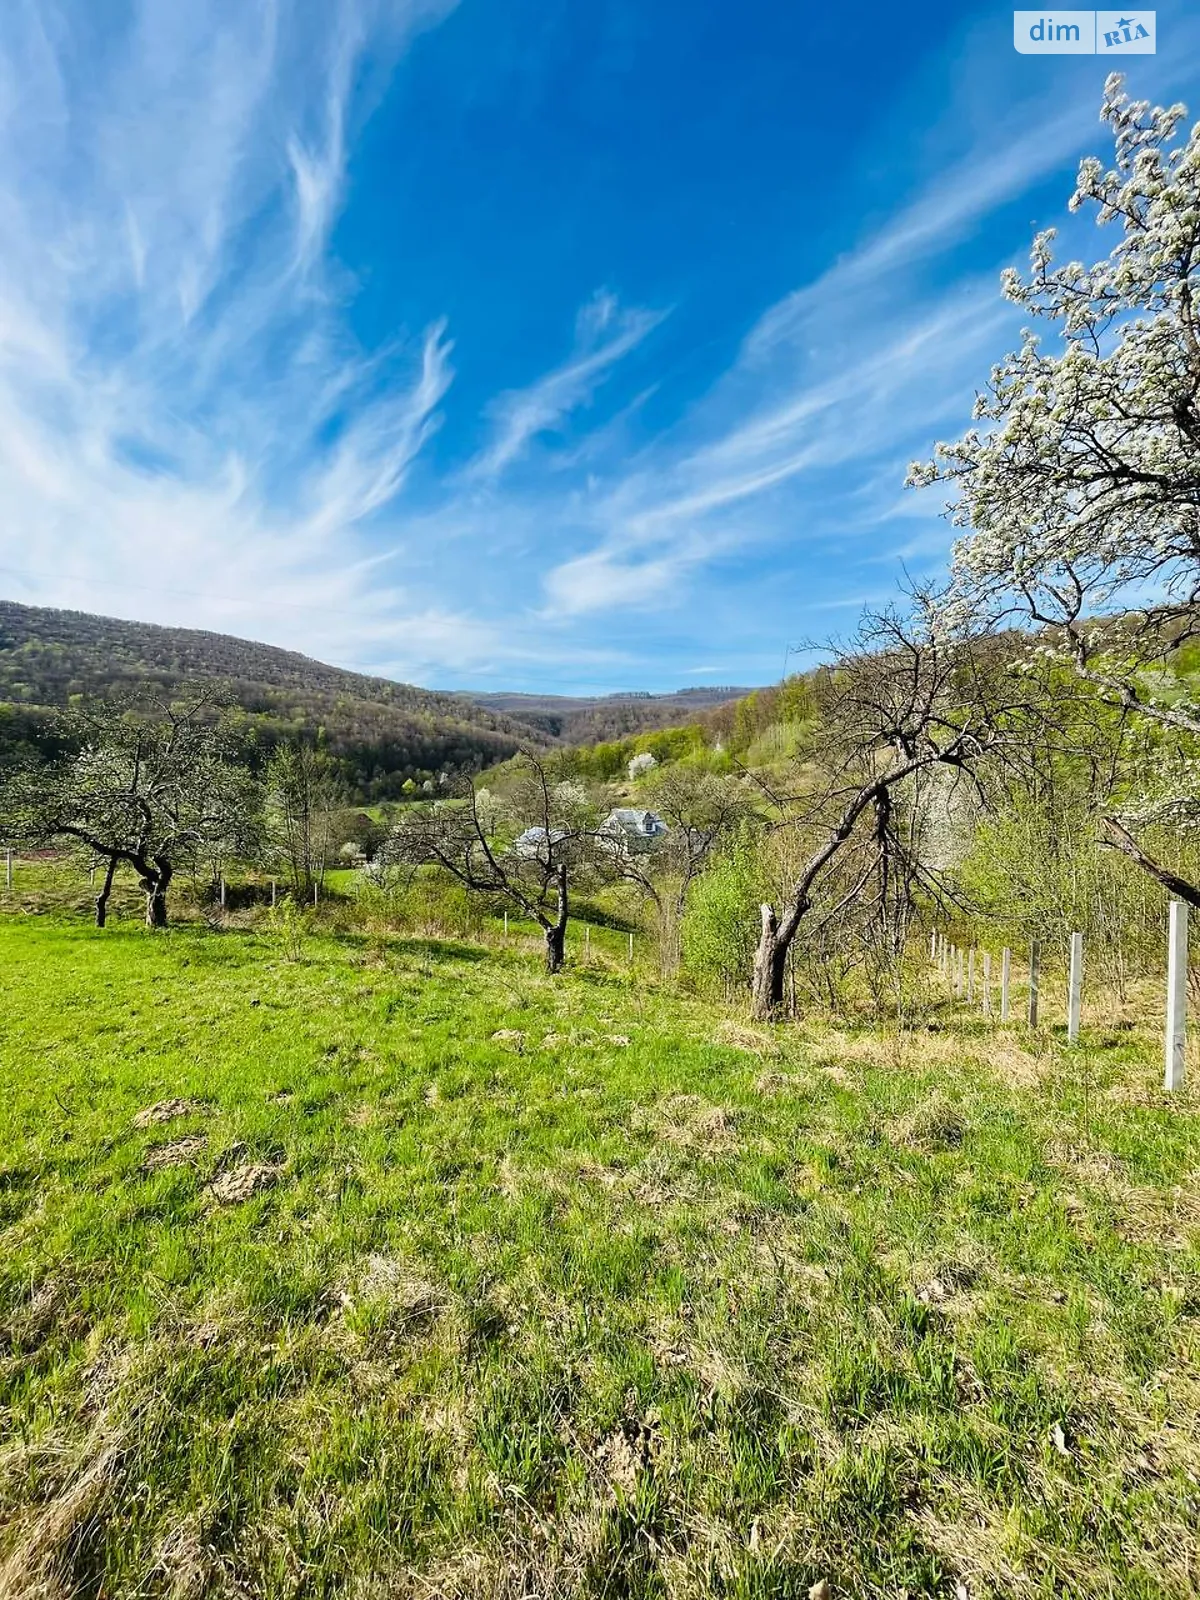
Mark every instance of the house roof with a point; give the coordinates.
(632, 817)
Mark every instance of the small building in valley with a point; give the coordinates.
(632, 829)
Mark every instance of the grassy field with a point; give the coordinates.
(388, 1267)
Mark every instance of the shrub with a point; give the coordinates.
(720, 924)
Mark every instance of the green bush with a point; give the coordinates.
(720, 924)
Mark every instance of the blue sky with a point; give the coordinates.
(534, 344)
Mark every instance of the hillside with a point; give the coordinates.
(383, 732)
(583, 719)
(404, 1268)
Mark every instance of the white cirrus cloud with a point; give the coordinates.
(187, 429)
(605, 332)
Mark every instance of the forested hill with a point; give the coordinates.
(385, 734)
(590, 719)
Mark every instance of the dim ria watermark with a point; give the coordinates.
(1084, 33)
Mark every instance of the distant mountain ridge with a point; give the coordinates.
(589, 719)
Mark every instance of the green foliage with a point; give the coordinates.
(1041, 872)
(720, 922)
(290, 924)
(791, 704)
(608, 762)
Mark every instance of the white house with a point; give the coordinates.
(532, 843)
(632, 829)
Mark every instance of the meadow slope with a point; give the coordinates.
(376, 1266)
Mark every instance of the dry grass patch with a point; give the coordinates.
(178, 1153)
(35, 1567)
(771, 1084)
(751, 1041)
(932, 1127)
(693, 1123)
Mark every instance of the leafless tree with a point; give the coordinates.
(550, 836)
(908, 696)
(303, 793)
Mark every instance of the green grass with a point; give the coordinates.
(529, 1310)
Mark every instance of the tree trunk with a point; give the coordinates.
(101, 901)
(155, 884)
(555, 943)
(556, 933)
(770, 962)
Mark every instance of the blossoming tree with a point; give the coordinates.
(1079, 491)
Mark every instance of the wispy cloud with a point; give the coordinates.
(182, 412)
(604, 333)
(684, 504)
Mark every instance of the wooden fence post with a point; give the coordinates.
(221, 890)
(987, 984)
(272, 893)
(506, 924)
(1075, 988)
(316, 893)
(8, 869)
(960, 982)
(971, 976)
(631, 947)
(1177, 973)
(1035, 956)
(1005, 982)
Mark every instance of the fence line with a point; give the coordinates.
(960, 970)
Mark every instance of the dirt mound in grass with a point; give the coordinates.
(178, 1153)
(166, 1111)
(239, 1183)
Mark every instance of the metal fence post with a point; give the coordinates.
(1075, 988)
(1177, 972)
(1005, 982)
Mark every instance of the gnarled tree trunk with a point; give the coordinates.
(155, 881)
(770, 962)
(556, 931)
(555, 949)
